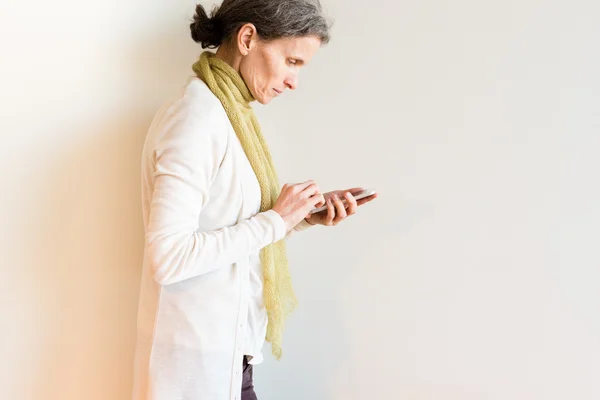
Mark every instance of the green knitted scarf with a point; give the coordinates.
(231, 90)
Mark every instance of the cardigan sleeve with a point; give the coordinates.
(303, 225)
(187, 158)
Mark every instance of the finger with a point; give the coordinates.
(355, 191)
(340, 210)
(314, 201)
(351, 204)
(330, 213)
(302, 186)
(310, 190)
(366, 199)
(297, 188)
(318, 200)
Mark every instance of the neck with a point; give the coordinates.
(226, 52)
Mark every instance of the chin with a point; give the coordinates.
(264, 100)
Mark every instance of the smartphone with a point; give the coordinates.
(357, 196)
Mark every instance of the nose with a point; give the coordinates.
(291, 82)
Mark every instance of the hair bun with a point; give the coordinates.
(206, 30)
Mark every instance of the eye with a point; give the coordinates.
(292, 62)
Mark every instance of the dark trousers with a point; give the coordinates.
(247, 385)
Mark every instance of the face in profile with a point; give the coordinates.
(272, 67)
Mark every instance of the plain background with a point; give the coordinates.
(474, 276)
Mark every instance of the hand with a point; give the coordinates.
(296, 200)
(337, 211)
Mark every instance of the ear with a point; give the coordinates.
(247, 37)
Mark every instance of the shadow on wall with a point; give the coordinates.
(90, 245)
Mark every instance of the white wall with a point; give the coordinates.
(474, 275)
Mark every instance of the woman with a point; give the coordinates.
(215, 282)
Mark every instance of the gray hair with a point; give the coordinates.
(273, 19)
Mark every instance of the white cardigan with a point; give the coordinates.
(201, 308)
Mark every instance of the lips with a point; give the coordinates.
(277, 91)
